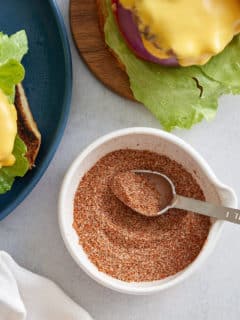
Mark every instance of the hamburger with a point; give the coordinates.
(20, 138)
(180, 56)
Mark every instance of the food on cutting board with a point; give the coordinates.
(180, 56)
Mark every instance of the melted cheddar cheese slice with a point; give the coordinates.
(193, 30)
(8, 131)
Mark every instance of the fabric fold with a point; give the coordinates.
(27, 296)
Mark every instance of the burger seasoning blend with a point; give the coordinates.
(142, 192)
(129, 246)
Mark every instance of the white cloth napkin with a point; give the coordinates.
(27, 296)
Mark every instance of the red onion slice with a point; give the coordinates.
(130, 32)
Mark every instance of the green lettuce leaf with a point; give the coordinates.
(225, 67)
(178, 97)
(11, 73)
(13, 47)
(19, 169)
(12, 50)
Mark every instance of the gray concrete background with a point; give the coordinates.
(31, 234)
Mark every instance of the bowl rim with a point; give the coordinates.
(215, 229)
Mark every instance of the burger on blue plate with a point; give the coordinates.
(19, 136)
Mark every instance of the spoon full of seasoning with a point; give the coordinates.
(152, 193)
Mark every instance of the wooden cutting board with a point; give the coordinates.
(92, 48)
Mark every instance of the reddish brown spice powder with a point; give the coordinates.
(125, 244)
(137, 192)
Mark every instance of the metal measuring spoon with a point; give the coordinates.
(170, 199)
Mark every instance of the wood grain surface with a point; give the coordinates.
(92, 48)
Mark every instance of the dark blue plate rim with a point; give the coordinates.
(42, 167)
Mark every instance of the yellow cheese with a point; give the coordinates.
(194, 30)
(8, 131)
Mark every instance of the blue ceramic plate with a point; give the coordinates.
(48, 82)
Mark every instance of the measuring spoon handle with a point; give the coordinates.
(207, 209)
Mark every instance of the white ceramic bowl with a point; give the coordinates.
(142, 139)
